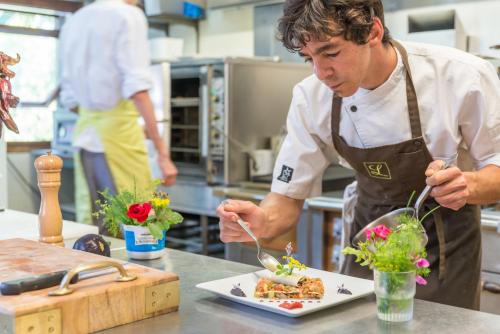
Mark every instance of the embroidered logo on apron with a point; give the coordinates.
(286, 174)
(378, 170)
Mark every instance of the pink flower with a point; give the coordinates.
(422, 263)
(380, 231)
(420, 280)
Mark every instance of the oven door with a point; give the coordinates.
(188, 108)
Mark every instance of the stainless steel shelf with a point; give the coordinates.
(183, 149)
(169, 19)
(185, 127)
(179, 102)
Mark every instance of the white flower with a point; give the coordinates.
(289, 249)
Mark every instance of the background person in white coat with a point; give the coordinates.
(105, 73)
(393, 112)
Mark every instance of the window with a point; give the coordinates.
(34, 38)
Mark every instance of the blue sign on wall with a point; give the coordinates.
(192, 10)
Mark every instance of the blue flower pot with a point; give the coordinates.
(140, 244)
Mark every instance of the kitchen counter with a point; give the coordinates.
(18, 224)
(203, 312)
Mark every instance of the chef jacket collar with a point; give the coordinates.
(374, 97)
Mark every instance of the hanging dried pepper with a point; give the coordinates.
(7, 99)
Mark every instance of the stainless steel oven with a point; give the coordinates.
(190, 109)
(221, 109)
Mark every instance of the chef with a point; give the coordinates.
(395, 113)
(105, 73)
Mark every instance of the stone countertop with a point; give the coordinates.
(203, 312)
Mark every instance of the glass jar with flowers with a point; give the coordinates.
(143, 216)
(398, 258)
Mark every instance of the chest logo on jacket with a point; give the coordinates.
(378, 170)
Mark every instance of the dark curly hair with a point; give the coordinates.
(306, 20)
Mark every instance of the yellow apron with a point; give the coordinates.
(124, 147)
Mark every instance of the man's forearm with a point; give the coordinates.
(145, 107)
(282, 214)
(484, 185)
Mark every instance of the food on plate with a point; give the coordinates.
(342, 290)
(291, 305)
(236, 291)
(306, 288)
(291, 263)
(285, 284)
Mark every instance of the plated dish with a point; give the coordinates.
(318, 290)
(305, 288)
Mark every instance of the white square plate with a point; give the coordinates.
(332, 281)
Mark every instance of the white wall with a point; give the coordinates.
(188, 34)
(480, 19)
(227, 32)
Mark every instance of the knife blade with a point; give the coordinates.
(43, 281)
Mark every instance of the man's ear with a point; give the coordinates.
(376, 33)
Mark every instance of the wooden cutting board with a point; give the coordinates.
(96, 304)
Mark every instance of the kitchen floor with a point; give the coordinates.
(490, 302)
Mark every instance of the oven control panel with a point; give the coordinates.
(217, 117)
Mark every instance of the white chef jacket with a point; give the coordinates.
(459, 101)
(104, 58)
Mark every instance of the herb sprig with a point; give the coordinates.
(291, 263)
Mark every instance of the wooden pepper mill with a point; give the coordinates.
(48, 168)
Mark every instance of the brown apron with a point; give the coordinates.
(387, 175)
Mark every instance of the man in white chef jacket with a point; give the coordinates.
(105, 73)
(394, 112)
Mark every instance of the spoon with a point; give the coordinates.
(425, 193)
(268, 261)
(389, 219)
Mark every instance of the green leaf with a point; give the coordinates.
(174, 217)
(156, 231)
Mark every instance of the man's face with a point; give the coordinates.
(341, 65)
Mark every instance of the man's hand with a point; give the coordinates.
(253, 215)
(450, 185)
(168, 170)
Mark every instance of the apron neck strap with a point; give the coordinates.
(411, 95)
(336, 106)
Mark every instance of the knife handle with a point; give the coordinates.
(36, 282)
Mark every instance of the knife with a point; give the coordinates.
(43, 281)
(35, 282)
